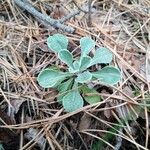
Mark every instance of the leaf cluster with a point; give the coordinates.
(78, 74)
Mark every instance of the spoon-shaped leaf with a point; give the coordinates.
(66, 57)
(84, 63)
(72, 101)
(108, 75)
(87, 44)
(84, 77)
(57, 42)
(49, 78)
(76, 65)
(93, 96)
(63, 88)
(75, 68)
(102, 56)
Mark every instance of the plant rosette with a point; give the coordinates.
(73, 83)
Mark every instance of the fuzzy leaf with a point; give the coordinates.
(84, 77)
(57, 42)
(72, 101)
(49, 78)
(108, 75)
(76, 64)
(66, 57)
(75, 68)
(1, 147)
(87, 44)
(84, 62)
(91, 99)
(63, 88)
(102, 56)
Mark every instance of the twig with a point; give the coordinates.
(89, 13)
(44, 18)
(88, 10)
(69, 16)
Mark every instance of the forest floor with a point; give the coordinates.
(31, 117)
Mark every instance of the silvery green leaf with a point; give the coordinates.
(72, 101)
(76, 64)
(84, 77)
(87, 44)
(71, 70)
(49, 78)
(93, 96)
(75, 68)
(102, 56)
(66, 57)
(108, 75)
(57, 42)
(1, 147)
(84, 62)
(63, 88)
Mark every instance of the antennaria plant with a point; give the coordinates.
(78, 74)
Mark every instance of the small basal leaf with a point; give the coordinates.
(90, 95)
(84, 77)
(1, 147)
(63, 88)
(57, 42)
(108, 75)
(84, 63)
(66, 57)
(54, 67)
(75, 67)
(49, 78)
(87, 44)
(102, 56)
(72, 101)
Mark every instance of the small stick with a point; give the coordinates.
(44, 18)
(69, 16)
(89, 13)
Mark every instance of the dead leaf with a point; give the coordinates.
(85, 122)
(58, 12)
(32, 133)
(16, 104)
(50, 95)
(8, 138)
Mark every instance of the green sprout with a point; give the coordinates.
(77, 74)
